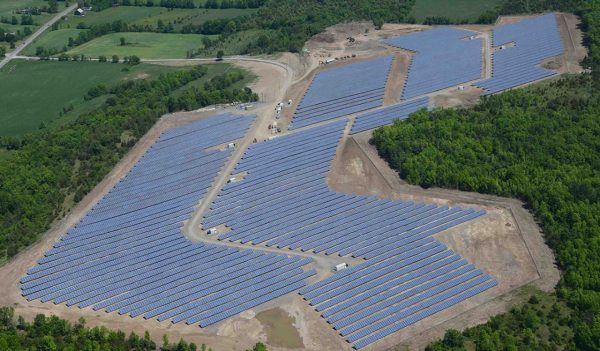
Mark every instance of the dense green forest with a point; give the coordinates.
(541, 145)
(55, 334)
(47, 171)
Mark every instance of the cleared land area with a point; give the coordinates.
(280, 329)
(455, 10)
(143, 45)
(51, 92)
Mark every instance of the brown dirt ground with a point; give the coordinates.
(397, 77)
(280, 328)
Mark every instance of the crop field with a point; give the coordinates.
(36, 92)
(455, 10)
(143, 45)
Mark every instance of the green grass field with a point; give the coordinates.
(143, 45)
(453, 9)
(55, 39)
(32, 92)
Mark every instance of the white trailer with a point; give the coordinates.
(341, 266)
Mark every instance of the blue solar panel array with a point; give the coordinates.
(128, 253)
(342, 91)
(442, 59)
(387, 115)
(284, 202)
(535, 40)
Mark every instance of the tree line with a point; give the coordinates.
(56, 334)
(540, 145)
(50, 165)
(99, 5)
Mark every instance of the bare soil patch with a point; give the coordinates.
(397, 77)
(457, 98)
(572, 40)
(280, 329)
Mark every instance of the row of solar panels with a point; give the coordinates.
(387, 115)
(520, 48)
(394, 291)
(284, 201)
(442, 59)
(342, 91)
(128, 253)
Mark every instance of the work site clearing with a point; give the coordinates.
(502, 241)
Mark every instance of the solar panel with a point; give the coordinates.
(341, 91)
(443, 57)
(519, 48)
(128, 253)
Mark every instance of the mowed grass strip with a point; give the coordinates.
(32, 92)
(455, 10)
(143, 45)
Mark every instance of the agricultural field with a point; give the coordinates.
(33, 93)
(143, 45)
(455, 10)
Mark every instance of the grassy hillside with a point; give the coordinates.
(36, 92)
(455, 10)
(56, 39)
(144, 45)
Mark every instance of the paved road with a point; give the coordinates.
(15, 53)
